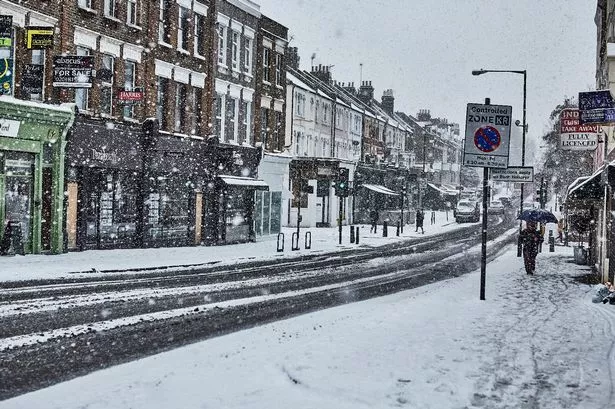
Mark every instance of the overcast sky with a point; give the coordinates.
(425, 50)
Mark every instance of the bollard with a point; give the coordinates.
(308, 240)
(280, 248)
(398, 228)
(356, 236)
(551, 242)
(295, 241)
(352, 234)
(385, 229)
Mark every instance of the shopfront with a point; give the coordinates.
(103, 169)
(32, 143)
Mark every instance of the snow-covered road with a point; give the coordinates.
(536, 342)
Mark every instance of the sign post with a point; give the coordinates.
(486, 145)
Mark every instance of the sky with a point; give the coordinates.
(535, 341)
(426, 50)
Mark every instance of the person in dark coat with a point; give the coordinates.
(373, 216)
(420, 216)
(531, 240)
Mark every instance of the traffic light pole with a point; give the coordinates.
(403, 193)
(339, 223)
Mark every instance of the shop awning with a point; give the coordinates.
(442, 190)
(379, 189)
(249, 183)
(587, 187)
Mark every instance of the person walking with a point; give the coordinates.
(373, 216)
(531, 240)
(420, 216)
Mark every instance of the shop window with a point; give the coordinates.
(106, 86)
(168, 212)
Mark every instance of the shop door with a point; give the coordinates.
(18, 195)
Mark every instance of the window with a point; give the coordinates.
(264, 125)
(246, 121)
(277, 134)
(199, 35)
(164, 29)
(247, 55)
(82, 95)
(266, 64)
(161, 101)
(300, 107)
(278, 69)
(131, 12)
(219, 123)
(325, 113)
(183, 28)
(85, 4)
(129, 85)
(34, 88)
(110, 8)
(197, 97)
(106, 86)
(231, 119)
(180, 103)
(235, 50)
(222, 45)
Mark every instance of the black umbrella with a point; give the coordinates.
(538, 216)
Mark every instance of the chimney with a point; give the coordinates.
(292, 58)
(322, 73)
(349, 88)
(366, 92)
(424, 115)
(388, 101)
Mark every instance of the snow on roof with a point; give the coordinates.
(66, 107)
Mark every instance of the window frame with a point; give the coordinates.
(222, 44)
(83, 51)
(183, 28)
(104, 85)
(267, 65)
(162, 93)
(247, 55)
(128, 111)
(110, 8)
(179, 117)
(132, 13)
(278, 69)
(199, 35)
(164, 30)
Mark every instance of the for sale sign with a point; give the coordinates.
(73, 71)
(574, 135)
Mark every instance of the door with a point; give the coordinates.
(46, 218)
(18, 195)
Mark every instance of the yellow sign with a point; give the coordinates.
(39, 38)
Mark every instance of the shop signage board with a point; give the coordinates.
(573, 135)
(487, 136)
(522, 174)
(6, 31)
(9, 127)
(73, 71)
(32, 79)
(39, 38)
(596, 107)
(128, 97)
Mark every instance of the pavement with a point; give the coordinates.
(323, 240)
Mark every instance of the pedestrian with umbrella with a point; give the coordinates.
(531, 239)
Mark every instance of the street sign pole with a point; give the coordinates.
(483, 254)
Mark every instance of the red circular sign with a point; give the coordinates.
(487, 138)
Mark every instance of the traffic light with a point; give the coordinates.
(341, 184)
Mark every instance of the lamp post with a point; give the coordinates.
(524, 73)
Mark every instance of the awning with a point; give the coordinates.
(442, 190)
(587, 187)
(249, 183)
(379, 189)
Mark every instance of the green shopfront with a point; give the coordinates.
(32, 143)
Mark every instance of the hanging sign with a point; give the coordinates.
(6, 31)
(596, 107)
(573, 135)
(32, 78)
(39, 38)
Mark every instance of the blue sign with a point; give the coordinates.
(596, 107)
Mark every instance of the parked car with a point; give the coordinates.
(467, 211)
(495, 207)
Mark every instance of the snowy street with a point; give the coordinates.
(536, 342)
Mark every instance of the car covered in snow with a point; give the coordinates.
(467, 211)
(495, 207)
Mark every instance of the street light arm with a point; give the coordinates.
(482, 71)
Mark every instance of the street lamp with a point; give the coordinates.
(524, 73)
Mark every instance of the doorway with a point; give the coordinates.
(18, 194)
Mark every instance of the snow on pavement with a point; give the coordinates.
(536, 342)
